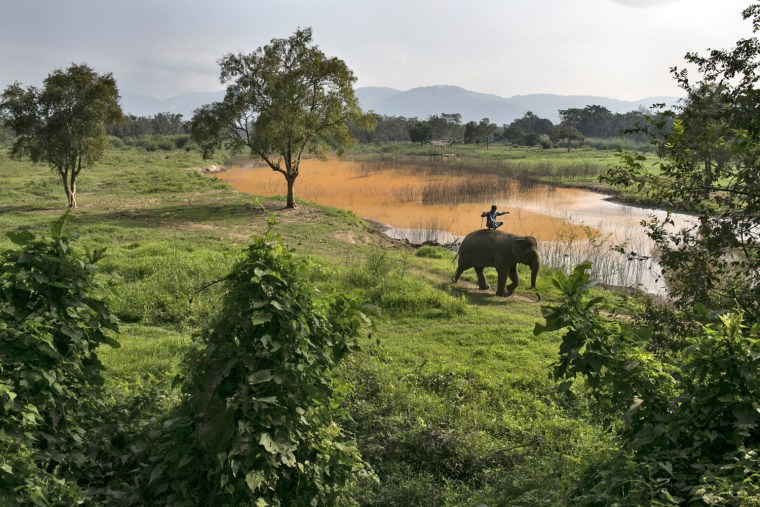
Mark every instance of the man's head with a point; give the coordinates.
(493, 208)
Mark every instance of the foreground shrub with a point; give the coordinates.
(688, 417)
(50, 327)
(259, 424)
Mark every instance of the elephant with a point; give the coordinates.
(501, 250)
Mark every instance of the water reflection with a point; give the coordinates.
(572, 225)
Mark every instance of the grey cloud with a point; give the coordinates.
(645, 4)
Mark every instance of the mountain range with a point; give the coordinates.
(420, 103)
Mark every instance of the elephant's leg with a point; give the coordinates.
(515, 280)
(460, 270)
(482, 283)
(502, 281)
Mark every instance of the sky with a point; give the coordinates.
(621, 49)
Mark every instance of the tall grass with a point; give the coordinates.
(468, 167)
(385, 282)
(609, 265)
(468, 190)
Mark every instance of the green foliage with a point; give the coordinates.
(709, 155)
(155, 142)
(50, 327)
(433, 252)
(688, 418)
(259, 421)
(460, 412)
(63, 125)
(285, 99)
(386, 283)
(162, 282)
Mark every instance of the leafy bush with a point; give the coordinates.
(687, 418)
(116, 142)
(181, 141)
(50, 327)
(259, 420)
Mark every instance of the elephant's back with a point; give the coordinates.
(479, 241)
(484, 235)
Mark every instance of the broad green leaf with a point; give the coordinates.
(270, 445)
(56, 228)
(254, 479)
(260, 317)
(157, 471)
(745, 416)
(667, 466)
(271, 400)
(260, 376)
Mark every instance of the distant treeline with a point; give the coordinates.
(168, 130)
(162, 131)
(576, 124)
(161, 124)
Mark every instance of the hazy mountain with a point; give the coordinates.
(418, 103)
(143, 105)
(429, 100)
(372, 94)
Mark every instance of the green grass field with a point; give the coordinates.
(450, 396)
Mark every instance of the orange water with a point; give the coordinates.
(393, 197)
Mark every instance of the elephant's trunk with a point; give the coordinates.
(533, 272)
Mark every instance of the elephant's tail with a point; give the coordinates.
(455, 258)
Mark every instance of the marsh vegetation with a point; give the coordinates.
(423, 199)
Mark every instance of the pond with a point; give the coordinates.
(571, 225)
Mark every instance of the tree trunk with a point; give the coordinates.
(73, 190)
(291, 203)
(69, 188)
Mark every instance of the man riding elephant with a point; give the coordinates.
(490, 216)
(489, 248)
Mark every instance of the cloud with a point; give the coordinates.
(645, 4)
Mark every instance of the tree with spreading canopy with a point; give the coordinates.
(283, 100)
(568, 127)
(708, 158)
(677, 384)
(64, 123)
(479, 132)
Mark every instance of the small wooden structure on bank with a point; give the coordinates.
(445, 143)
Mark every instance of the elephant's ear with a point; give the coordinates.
(530, 240)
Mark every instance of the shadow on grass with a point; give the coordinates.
(474, 295)
(488, 297)
(179, 214)
(32, 208)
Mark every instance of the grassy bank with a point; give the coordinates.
(449, 396)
